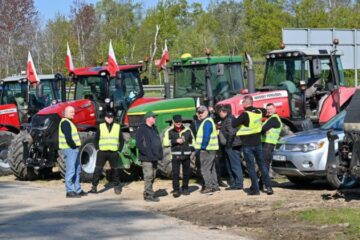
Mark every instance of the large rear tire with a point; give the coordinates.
(5, 141)
(16, 157)
(87, 155)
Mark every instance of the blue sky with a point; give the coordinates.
(49, 8)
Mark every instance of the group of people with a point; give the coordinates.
(203, 139)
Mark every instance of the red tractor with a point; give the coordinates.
(94, 92)
(307, 87)
(19, 101)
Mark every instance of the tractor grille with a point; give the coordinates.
(135, 120)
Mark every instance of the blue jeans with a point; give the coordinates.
(73, 169)
(249, 153)
(234, 169)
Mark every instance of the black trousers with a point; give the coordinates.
(102, 157)
(268, 150)
(176, 162)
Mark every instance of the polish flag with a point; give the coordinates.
(30, 70)
(112, 64)
(165, 58)
(68, 61)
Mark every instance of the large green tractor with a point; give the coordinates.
(202, 80)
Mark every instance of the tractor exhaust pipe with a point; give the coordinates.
(251, 74)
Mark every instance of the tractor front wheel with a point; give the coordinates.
(5, 141)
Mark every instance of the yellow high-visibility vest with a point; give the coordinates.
(109, 141)
(74, 134)
(254, 125)
(273, 134)
(213, 143)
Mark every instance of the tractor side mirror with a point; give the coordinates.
(316, 67)
(220, 70)
(145, 81)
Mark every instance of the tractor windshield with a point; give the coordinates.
(225, 79)
(14, 92)
(91, 87)
(47, 92)
(125, 90)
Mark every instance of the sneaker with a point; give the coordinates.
(176, 194)
(269, 191)
(185, 192)
(233, 188)
(117, 190)
(151, 199)
(93, 190)
(207, 191)
(222, 184)
(82, 193)
(217, 189)
(72, 195)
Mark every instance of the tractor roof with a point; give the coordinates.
(301, 52)
(21, 77)
(85, 71)
(204, 60)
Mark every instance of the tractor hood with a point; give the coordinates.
(85, 116)
(9, 119)
(164, 109)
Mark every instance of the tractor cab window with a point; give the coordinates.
(15, 93)
(46, 92)
(189, 81)
(125, 90)
(91, 87)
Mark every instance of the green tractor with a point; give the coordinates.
(202, 80)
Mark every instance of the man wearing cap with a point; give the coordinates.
(249, 124)
(179, 138)
(150, 152)
(206, 145)
(108, 142)
(69, 143)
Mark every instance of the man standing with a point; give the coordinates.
(231, 145)
(69, 143)
(150, 152)
(249, 123)
(206, 145)
(270, 134)
(179, 138)
(107, 142)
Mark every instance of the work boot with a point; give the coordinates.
(176, 194)
(93, 189)
(117, 190)
(72, 195)
(269, 191)
(222, 184)
(151, 199)
(185, 191)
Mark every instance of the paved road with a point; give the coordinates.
(35, 212)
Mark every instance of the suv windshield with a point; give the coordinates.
(336, 123)
(91, 87)
(225, 78)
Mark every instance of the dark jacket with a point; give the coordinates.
(66, 129)
(109, 127)
(149, 144)
(229, 132)
(185, 147)
(243, 119)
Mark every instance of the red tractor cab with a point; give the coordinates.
(307, 86)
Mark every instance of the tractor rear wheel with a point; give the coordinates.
(87, 156)
(16, 157)
(5, 141)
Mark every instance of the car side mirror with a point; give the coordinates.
(220, 70)
(316, 67)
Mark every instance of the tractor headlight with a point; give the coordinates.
(306, 147)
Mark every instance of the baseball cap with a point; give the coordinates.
(109, 114)
(149, 114)
(201, 109)
(177, 118)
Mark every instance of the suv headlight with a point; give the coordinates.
(307, 147)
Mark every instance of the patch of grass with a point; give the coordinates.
(336, 216)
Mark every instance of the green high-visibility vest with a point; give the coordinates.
(213, 143)
(273, 134)
(109, 141)
(254, 125)
(74, 134)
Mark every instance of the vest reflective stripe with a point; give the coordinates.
(273, 134)
(109, 141)
(74, 134)
(166, 140)
(254, 125)
(213, 143)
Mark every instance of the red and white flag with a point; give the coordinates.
(112, 63)
(30, 70)
(68, 61)
(165, 58)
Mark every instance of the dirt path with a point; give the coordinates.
(226, 212)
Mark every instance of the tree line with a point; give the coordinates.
(228, 27)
